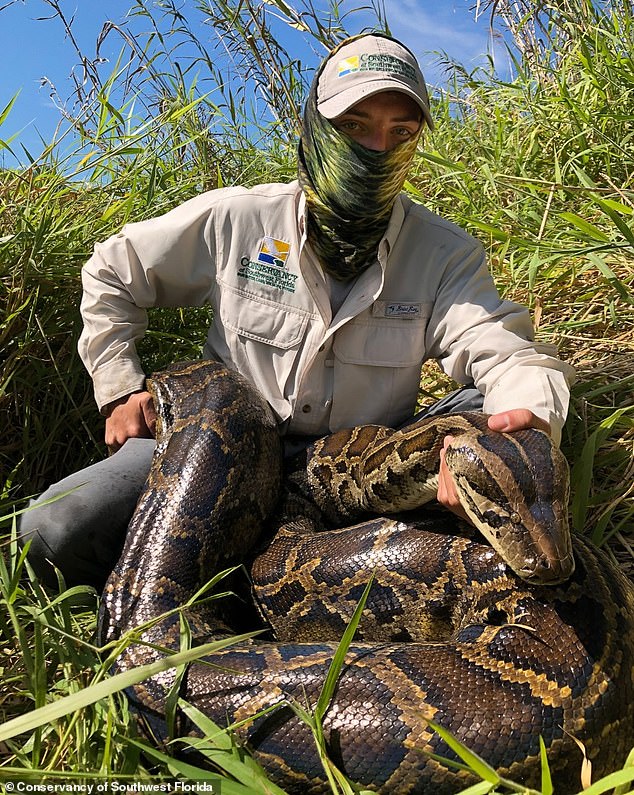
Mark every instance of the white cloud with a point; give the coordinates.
(428, 27)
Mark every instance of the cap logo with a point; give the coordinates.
(348, 65)
(371, 62)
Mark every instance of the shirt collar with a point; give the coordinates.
(393, 230)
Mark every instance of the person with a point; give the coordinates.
(328, 293)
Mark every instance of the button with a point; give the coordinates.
(306, 408)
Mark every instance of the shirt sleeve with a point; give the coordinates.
(478, 337)
(163, 262)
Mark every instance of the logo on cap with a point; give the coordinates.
(348, 65)
(371, 62)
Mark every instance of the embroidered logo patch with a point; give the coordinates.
(268, 267)
(273, 252)
(348, 65)
(372, 62)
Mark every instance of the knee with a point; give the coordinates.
(47, 533)
(77, 533)
(79, 524)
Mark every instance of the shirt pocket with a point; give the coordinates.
(389, 334)
(262, 320)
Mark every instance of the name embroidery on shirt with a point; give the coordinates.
(269, 265)
(402, 310)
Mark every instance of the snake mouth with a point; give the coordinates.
(545, 570)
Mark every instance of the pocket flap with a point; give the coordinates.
(390, 335)
(260, 319)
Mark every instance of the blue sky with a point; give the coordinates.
(33, 48)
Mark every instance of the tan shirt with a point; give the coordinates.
(244, 252)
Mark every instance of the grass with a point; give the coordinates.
(539, 167)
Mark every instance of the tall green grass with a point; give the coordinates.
(539, 166)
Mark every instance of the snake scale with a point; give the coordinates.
(450, 632)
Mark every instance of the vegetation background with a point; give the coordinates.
(539, 166)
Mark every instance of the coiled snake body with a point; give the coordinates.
(449, 632)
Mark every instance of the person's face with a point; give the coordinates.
(381, 121)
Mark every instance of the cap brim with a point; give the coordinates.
(344, 100)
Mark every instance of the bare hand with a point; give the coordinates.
(447, 495)
(504, 422)
(130, 417)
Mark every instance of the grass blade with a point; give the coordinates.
(475, 762)
(93, 693)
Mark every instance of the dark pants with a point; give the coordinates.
(79, 524)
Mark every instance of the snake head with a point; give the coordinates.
(515, 489)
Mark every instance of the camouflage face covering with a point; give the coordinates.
(350, 192)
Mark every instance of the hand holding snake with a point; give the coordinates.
(504, 422)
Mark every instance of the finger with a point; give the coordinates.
(517, 420)
(442, 486)
(112, 443)
(447, 494)
(149, 415)
(508, 421)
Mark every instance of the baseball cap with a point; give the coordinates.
(366, 65)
